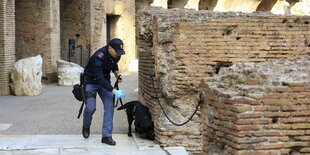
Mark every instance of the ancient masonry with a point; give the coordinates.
(178, 48)
(7, 44)
(260, 108)
(44, 28)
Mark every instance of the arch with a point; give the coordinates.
(207, 4)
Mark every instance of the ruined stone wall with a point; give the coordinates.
(54, 52)
(38, 32)
(125, 26)
(260, 108)
(97, 18)
(75, 19)
(181, 47)
(7, 43)
(32, 33)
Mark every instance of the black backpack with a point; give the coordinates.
(79, 93)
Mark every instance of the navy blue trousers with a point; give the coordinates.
(107, 100)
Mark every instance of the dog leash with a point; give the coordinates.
(117, 88)
(201, 101)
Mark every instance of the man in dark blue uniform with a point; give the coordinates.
(97, 80)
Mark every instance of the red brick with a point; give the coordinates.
(266, 133)
(244, 121)
(253, 121)
(274, 140)
(302, 138)
(275, 108)
(301, 126)
(300, 113)
(276, 101)
(280, 89)
(253, 82)
(250, 115)
(294, 108)
(301, 101)
(277, 114)
(262, 121)
(268, 147)
(262, 108)
(300, 89)
(292, 132)
(293, 120)
(294, 144)
(283, 139)
(286, 95)
(278, 126)
(240, 109)
(246, 127)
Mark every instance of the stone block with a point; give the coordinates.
(26, 76)
(68, 73)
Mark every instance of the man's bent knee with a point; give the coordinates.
(90, 108)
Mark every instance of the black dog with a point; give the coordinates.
(143, 120)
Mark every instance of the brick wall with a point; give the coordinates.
(124, 27)
(55, 38)
(32, 29)
(38, 32)
(181, 47)
(75, 19)
(258, 109)
(7, 43)
(97, 21)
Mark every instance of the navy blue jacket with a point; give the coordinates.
(99, 68)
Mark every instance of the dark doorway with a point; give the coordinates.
(111, 26)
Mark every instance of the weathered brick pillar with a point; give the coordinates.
(38, 33)
(181, 47)
(258, 108)
(98, 17)
(53, 52)
(7, 43)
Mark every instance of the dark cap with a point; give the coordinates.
(117, 44)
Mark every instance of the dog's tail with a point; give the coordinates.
(122, 107)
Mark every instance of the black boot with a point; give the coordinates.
(108, 140)
(85, 132)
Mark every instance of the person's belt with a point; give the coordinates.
(87, 78)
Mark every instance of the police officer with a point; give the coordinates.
(97, 80)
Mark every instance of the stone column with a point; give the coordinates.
(54, 52)
(247, 6)
(7, 43)
(97, 24)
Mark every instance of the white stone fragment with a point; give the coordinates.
(26, 76)
(301, 8)
(282, 7)
(68, 73)
(246, 6)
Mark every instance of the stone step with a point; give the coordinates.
(76, 144)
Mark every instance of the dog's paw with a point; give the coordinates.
(129, 134)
